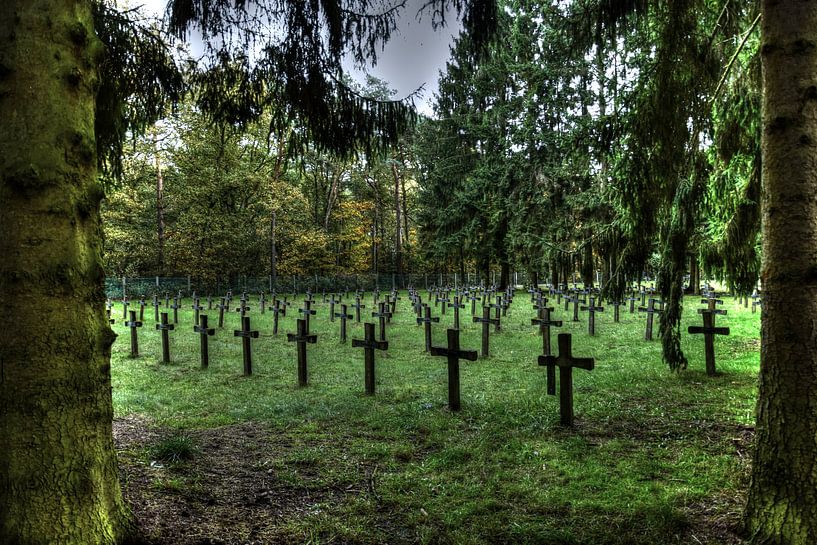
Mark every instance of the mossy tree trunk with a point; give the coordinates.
(782, 503)
(58, 476)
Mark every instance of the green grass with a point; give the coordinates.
(654, 457)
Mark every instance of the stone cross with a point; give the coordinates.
(616, 314)
(427, 321)
(263, 302)
(473, 298)
(486, 322)
(454, 355)
(332, 303)
(302, 337)
(498, 308)
(456, 305)
(575, 300)
(545, 323)
(134, 341)
(632, 299)
(156, 305)
(142, 305)
(175, 306)
(381, 315)
(221, 308)
(565, 362)
(307, 312)
(651, 311)
(443, 300)
(197, 308)
(204, 332)
(125, 305)
(369, 345)
(357, 306)
(164, 327)
(343, 317)
(709, 331)
(592, 309)
(277, 311)
(246, 335)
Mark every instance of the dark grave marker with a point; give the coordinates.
(343, 317)
(575, 300)
(427, 321)
(456, 305)
(302, 338)
(545, 323)
(454, 355)
(486, 322)
(709, 331)
(221, 308)
(175, 306)
(473, 298)
(125, 305)
(307, 312)
(277, 311)
(498, 308)
(196, 308)
(246, 334)
(164, 327)
(369, 345)
(204, 332)
(632, 299)
(565, 362)
(156, 305)
(332, 303)
(133, 323)
(443, 300)
(381, 315)
(591, 313)
(357, 306)
(142, 306)
(651, 312)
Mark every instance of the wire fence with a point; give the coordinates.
(116, 288)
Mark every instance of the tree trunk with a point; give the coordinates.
(398, 224)
(160, 208)
(782, 501)
(273, 253)
(58, 476)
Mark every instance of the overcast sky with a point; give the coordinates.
(412, 58)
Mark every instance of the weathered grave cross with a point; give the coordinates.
(134, 341)
(307, 312)
(565, 362)
(651, 311)
(456, 305)
(204, 332)
(381, 315)
(343, 317)
(486, 322)
(302, 337)
(357, 306)
(709, 331)
(164, 327)
(197, 308)
(591, 311)
(427, 321)
(545, 323)
(369, 345)
(277, 310)
(454, 355)
(246, 335)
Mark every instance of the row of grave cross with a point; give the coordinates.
(452, 352)
(386, 310)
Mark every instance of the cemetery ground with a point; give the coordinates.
(211, 456)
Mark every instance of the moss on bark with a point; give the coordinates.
(58, 476)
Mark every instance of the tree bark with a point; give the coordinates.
(398, 246)
(58, 476)
(782, 501)
(160, 208)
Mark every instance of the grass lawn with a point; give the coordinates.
(210, 456)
